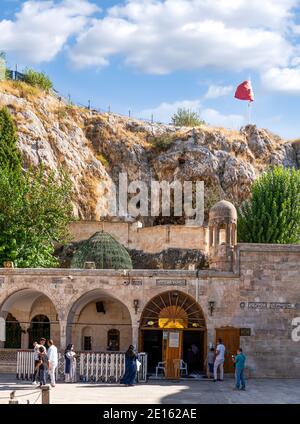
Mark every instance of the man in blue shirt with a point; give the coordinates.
(239, 361)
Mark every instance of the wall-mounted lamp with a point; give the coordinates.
(136, 304)
(211, 306)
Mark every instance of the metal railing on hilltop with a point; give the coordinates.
(67, 100)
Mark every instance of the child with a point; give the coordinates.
(43, 365)
(210, 362)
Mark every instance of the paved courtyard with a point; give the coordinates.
(196, 392)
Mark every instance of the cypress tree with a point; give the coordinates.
(272, 214)
(9, 154)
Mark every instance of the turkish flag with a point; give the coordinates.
(245, 92)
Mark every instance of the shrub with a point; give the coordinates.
(272, 215)
(187, 118)
(162, 142)
(38, 79)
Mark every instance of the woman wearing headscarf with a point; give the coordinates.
(70, 364)
(130, 367)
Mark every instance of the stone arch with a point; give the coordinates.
(83, 313)
(26, 303)
(169, 313)
(171, 305)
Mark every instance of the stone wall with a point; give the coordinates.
(262, 295)
(147, 239)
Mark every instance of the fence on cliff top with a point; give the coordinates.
(67, 99)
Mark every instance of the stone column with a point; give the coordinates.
(216, 236)
(211, 236)
(228, 234)
(24, 337)
(63, 334)
(135, 335)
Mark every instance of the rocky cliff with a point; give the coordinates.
(96, 147)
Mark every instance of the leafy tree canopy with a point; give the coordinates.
(35, 211)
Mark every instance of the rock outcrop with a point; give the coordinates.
(95, 148)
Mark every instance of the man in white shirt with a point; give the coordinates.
(219, 361)
(53, 361)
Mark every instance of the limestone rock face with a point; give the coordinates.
(169, 259)
(95, 148)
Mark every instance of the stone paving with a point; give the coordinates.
(259, 391)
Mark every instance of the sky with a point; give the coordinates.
(154, 56)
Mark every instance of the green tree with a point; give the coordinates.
(35, 210)
(35, 207)
(9, 154)
(272, 214)
(186, 118)
(38, 79)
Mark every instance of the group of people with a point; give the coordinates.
(215, 362)
(46, 362)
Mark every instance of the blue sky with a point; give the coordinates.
(153, 56)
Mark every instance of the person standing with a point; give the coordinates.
(239, 360)
(130, 367)
(42, 365)
(210, 363)
(36, 347)
(70, 364)
(219, 361)
(53, 361)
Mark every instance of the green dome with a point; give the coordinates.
(104, 250)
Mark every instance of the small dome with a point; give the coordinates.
(104, 250)
(223, 211)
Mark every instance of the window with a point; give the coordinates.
(87, 343)
(113, 340)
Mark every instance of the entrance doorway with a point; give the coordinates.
(173, 332)
(231, 339)
(39, 327)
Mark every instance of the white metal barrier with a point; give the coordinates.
(25, 364)
(91, 366)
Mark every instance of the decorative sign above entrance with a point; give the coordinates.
(163, 283)
(133, 283)
(267, 305)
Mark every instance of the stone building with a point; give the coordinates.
(249, 296)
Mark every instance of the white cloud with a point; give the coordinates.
(215, 91)
(164, 112)
(159, 37)
(282, 80)
(41, 29)
(215, 118)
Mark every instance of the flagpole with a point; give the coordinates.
(249, 103)
(249, 113)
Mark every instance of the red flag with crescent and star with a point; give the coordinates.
(245, 92)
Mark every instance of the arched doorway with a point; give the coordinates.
(173, 328)
(39, 327)
(99, 322)
(29, 314)
(13, 333)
